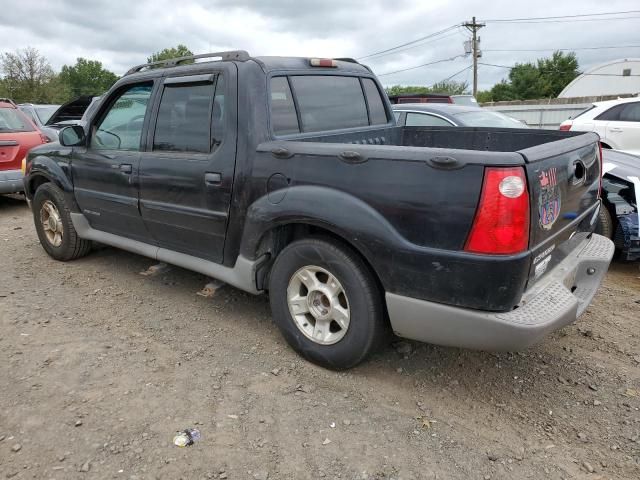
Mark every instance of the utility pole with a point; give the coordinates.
(473, 27)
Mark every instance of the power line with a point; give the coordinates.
(569, 21)
(561, 49)
(455, 32)
(455, 74)
(420, 66)
(440, 32)
(556, 17)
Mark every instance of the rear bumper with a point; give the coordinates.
(557, 300)
(11, 181)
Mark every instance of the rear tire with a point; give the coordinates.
(53, 223)
(326, 303)
(604, 226)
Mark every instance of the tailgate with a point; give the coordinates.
(564, 179)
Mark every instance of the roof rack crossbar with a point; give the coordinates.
(237, 55)
(8, 100)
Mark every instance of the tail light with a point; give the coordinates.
(501, 224)
(323, 62)
(565, 127)
(44, 138)
(23, 166)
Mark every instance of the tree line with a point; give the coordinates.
(544, 78)
(26, 76)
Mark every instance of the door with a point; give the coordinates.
(105, 172)
(624, 130)
(186, 174)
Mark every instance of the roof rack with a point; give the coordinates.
(238, 55)
(8, 100)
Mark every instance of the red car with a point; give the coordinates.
(18, 135)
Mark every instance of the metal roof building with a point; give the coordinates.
(616, 77)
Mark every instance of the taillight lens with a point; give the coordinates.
(501, 225)
(565, 127)
(44, 138)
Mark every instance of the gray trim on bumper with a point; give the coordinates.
(11, 181)
(555, 301)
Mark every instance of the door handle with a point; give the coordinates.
(615, 130)
(281, 152)
(212, 178)
(126, 168)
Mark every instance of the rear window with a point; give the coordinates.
(324, 102)
(329, 102)
(13, 120)
(485, 118)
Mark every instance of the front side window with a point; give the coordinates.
(185, 118)
(121, 127)
(425, 120)
(329, 102)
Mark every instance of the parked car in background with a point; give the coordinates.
(290, 175)
(18, 134)
(618, 219)
(468, 100)
(40, 115)
(616, 121)
(447, 115)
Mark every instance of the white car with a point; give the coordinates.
(616, 121)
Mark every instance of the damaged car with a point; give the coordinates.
(619, 219)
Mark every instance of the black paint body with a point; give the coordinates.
(404, 197)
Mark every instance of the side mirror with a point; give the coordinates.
(72, 136)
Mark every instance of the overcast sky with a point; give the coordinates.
(122, 33)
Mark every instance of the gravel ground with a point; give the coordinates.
(100, 366)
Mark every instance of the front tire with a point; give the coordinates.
(53, 223)
(326, 303)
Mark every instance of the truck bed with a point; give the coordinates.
(425, 183)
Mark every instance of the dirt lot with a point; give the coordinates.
(100, 367)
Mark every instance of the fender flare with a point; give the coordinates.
(345, 215)
(56, 172)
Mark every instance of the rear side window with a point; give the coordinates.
(283, 111)
(13, 120)
(184, 118)
(377, 113)
(329, 102)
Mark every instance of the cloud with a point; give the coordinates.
(123, 33)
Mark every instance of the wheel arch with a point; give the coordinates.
(310, 211)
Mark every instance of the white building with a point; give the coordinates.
(612, 78)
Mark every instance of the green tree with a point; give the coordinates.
(543, 79)
(27, 76)
(174, 52)
(87, 77)
(450, 87)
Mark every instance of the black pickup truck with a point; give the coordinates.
(290, 176)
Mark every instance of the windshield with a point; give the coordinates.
(468, 100)
(44, 112)
(12, 120)
(486, 118)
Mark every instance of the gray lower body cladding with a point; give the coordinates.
(557, 300)
(11, 181)
(242, 275)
